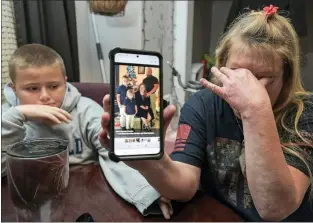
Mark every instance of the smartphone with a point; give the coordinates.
(136, 127)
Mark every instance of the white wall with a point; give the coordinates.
(113, 32)
(183, 34)
(158, 34)
(147, 25)
(164, 26)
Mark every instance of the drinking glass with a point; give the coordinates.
(38, 176)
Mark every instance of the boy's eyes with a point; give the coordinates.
(32, 88)
(54, 86)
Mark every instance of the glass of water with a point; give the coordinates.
(38, 175)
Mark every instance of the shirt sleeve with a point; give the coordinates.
(305, 127)
(118, 90)
(138, 99)
(191, 134)
(156, 81)
(12, 131)
(125, 102)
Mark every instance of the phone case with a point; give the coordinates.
(112, 155)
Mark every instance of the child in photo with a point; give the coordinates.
(130, 109)
(120, 97)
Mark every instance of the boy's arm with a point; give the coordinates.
(13, 130)
(136, 109)
(13, 119)
(128, 183)
(118, 100)
(118, 96)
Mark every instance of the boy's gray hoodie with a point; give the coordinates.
(84, 146)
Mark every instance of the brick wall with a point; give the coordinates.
(8, 41)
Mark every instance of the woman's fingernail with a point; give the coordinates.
(213, 69)
(202, 81)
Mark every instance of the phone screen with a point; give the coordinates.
(137, 108)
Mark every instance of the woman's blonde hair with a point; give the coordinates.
(129, 92)
(274, 35)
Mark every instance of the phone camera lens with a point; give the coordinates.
(137, 56)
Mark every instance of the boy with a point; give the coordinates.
(130, 109)
(120, 97)
(41, 104)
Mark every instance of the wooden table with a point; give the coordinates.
(90, 192)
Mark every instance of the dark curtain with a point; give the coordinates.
(292, 9)
(51, 23)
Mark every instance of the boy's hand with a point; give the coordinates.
(166, 207)
(44, 113)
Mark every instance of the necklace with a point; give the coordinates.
(242, 159)
(243, 141)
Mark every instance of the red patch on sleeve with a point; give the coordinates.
(183, 131)
(182, 136)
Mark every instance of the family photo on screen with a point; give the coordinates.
(137, 98)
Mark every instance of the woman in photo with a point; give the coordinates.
(143, 105)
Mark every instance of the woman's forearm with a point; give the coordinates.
(173, 180)
(269, 179)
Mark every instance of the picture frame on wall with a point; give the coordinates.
(141, 70)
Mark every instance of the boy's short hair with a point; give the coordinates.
(125, 76)
(34, 55)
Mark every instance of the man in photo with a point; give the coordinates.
(152, 84)
(120, 98)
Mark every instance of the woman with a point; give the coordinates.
(143, 105)
(248, 137)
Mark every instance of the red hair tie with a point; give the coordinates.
(270, 10)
